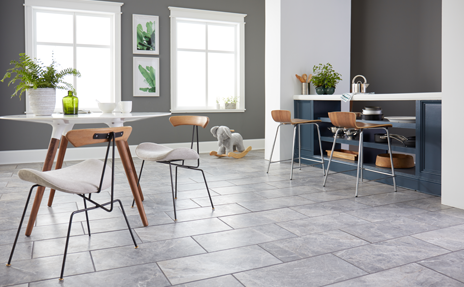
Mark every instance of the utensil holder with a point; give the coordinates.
(305, 88)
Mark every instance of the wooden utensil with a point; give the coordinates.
(305, 77)
(309, 78)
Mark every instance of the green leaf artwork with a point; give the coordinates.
(146, 40)
(149, 74)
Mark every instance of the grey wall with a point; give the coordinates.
(20, 136)
(396, 45)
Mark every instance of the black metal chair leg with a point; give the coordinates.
(172, 189)
(86, 215)
(127, 221)
(20, 224)
(207, 188)
(138, 182)
(175, 194)
(67, 243)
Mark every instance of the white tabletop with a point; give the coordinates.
(63, 123)
(373, 97)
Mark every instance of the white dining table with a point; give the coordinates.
(61, 124)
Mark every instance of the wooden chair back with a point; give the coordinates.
(200, 121)
(282, 116)
(343, 119)
(86, 136)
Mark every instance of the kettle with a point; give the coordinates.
(359, 87)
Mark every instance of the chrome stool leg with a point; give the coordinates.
(293, 152)
(330, 158)
(391, 160)
(360, 149)
(299, 146)
(273, 145)
(320, 148)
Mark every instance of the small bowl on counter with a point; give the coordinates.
(107, 108)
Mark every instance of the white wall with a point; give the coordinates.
(299, 35)
(453, 102)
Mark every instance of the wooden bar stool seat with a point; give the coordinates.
(347, 120)
(284, 117)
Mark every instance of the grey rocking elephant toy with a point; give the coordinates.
(228, 142)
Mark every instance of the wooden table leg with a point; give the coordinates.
(133, 168)
(52, 147)
(59, 164)
(126, 158)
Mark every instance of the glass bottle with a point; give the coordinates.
(70, 104)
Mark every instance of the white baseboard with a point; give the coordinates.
(38, 155)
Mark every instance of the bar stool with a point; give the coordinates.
(348, 120)
(283, 117)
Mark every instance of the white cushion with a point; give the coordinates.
(81, 178)
(157, 152)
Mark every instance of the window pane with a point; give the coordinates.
(53, 27)
(95, 82)
(64, 59)
(93, 30)
(221, 38)
(221, 77)
(191, 35)
(191, 79)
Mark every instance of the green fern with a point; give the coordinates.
(34, 75)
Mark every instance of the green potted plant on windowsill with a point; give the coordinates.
(230, 102)
(325, 79)
(39, 82)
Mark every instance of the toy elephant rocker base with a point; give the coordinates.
(228, 142)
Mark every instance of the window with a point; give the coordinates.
(207, 60)
(80, 34)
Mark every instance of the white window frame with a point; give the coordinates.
(179, 14)
(111, 9)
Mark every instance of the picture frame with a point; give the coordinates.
(145, 34)
(146, 77)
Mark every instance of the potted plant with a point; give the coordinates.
(230, 102)
(325, 79)
(40, 83)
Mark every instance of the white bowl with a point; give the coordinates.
(107, 107)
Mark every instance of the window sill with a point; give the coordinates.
(209, 111)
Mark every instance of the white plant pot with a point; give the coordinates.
(230, 106)
(42, 101)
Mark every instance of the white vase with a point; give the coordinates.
(42, 101)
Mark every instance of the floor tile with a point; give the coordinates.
(451, 238)
(274, 203)
(314, 271)
(223, 281)
(450, 264)
(146, 275)
(411, 275)
(146, 253)
(242, 237)
(216, 264)
(389, 254)
(181, 229)
(311, 245)
(380, 213)
(262, 217)
(320, 223)
(208, 212)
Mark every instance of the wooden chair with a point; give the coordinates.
(176, 157)
(85, 178)
(284, 117)
(348, 120)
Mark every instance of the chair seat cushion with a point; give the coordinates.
(157, 152)
(81, 178)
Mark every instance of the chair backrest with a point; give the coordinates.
(200, 121)
(343, 119)
(281, 116)
(92, 136)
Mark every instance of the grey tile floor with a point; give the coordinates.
(265, 231)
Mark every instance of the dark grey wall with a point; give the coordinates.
(396, 45)
(19, 136)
